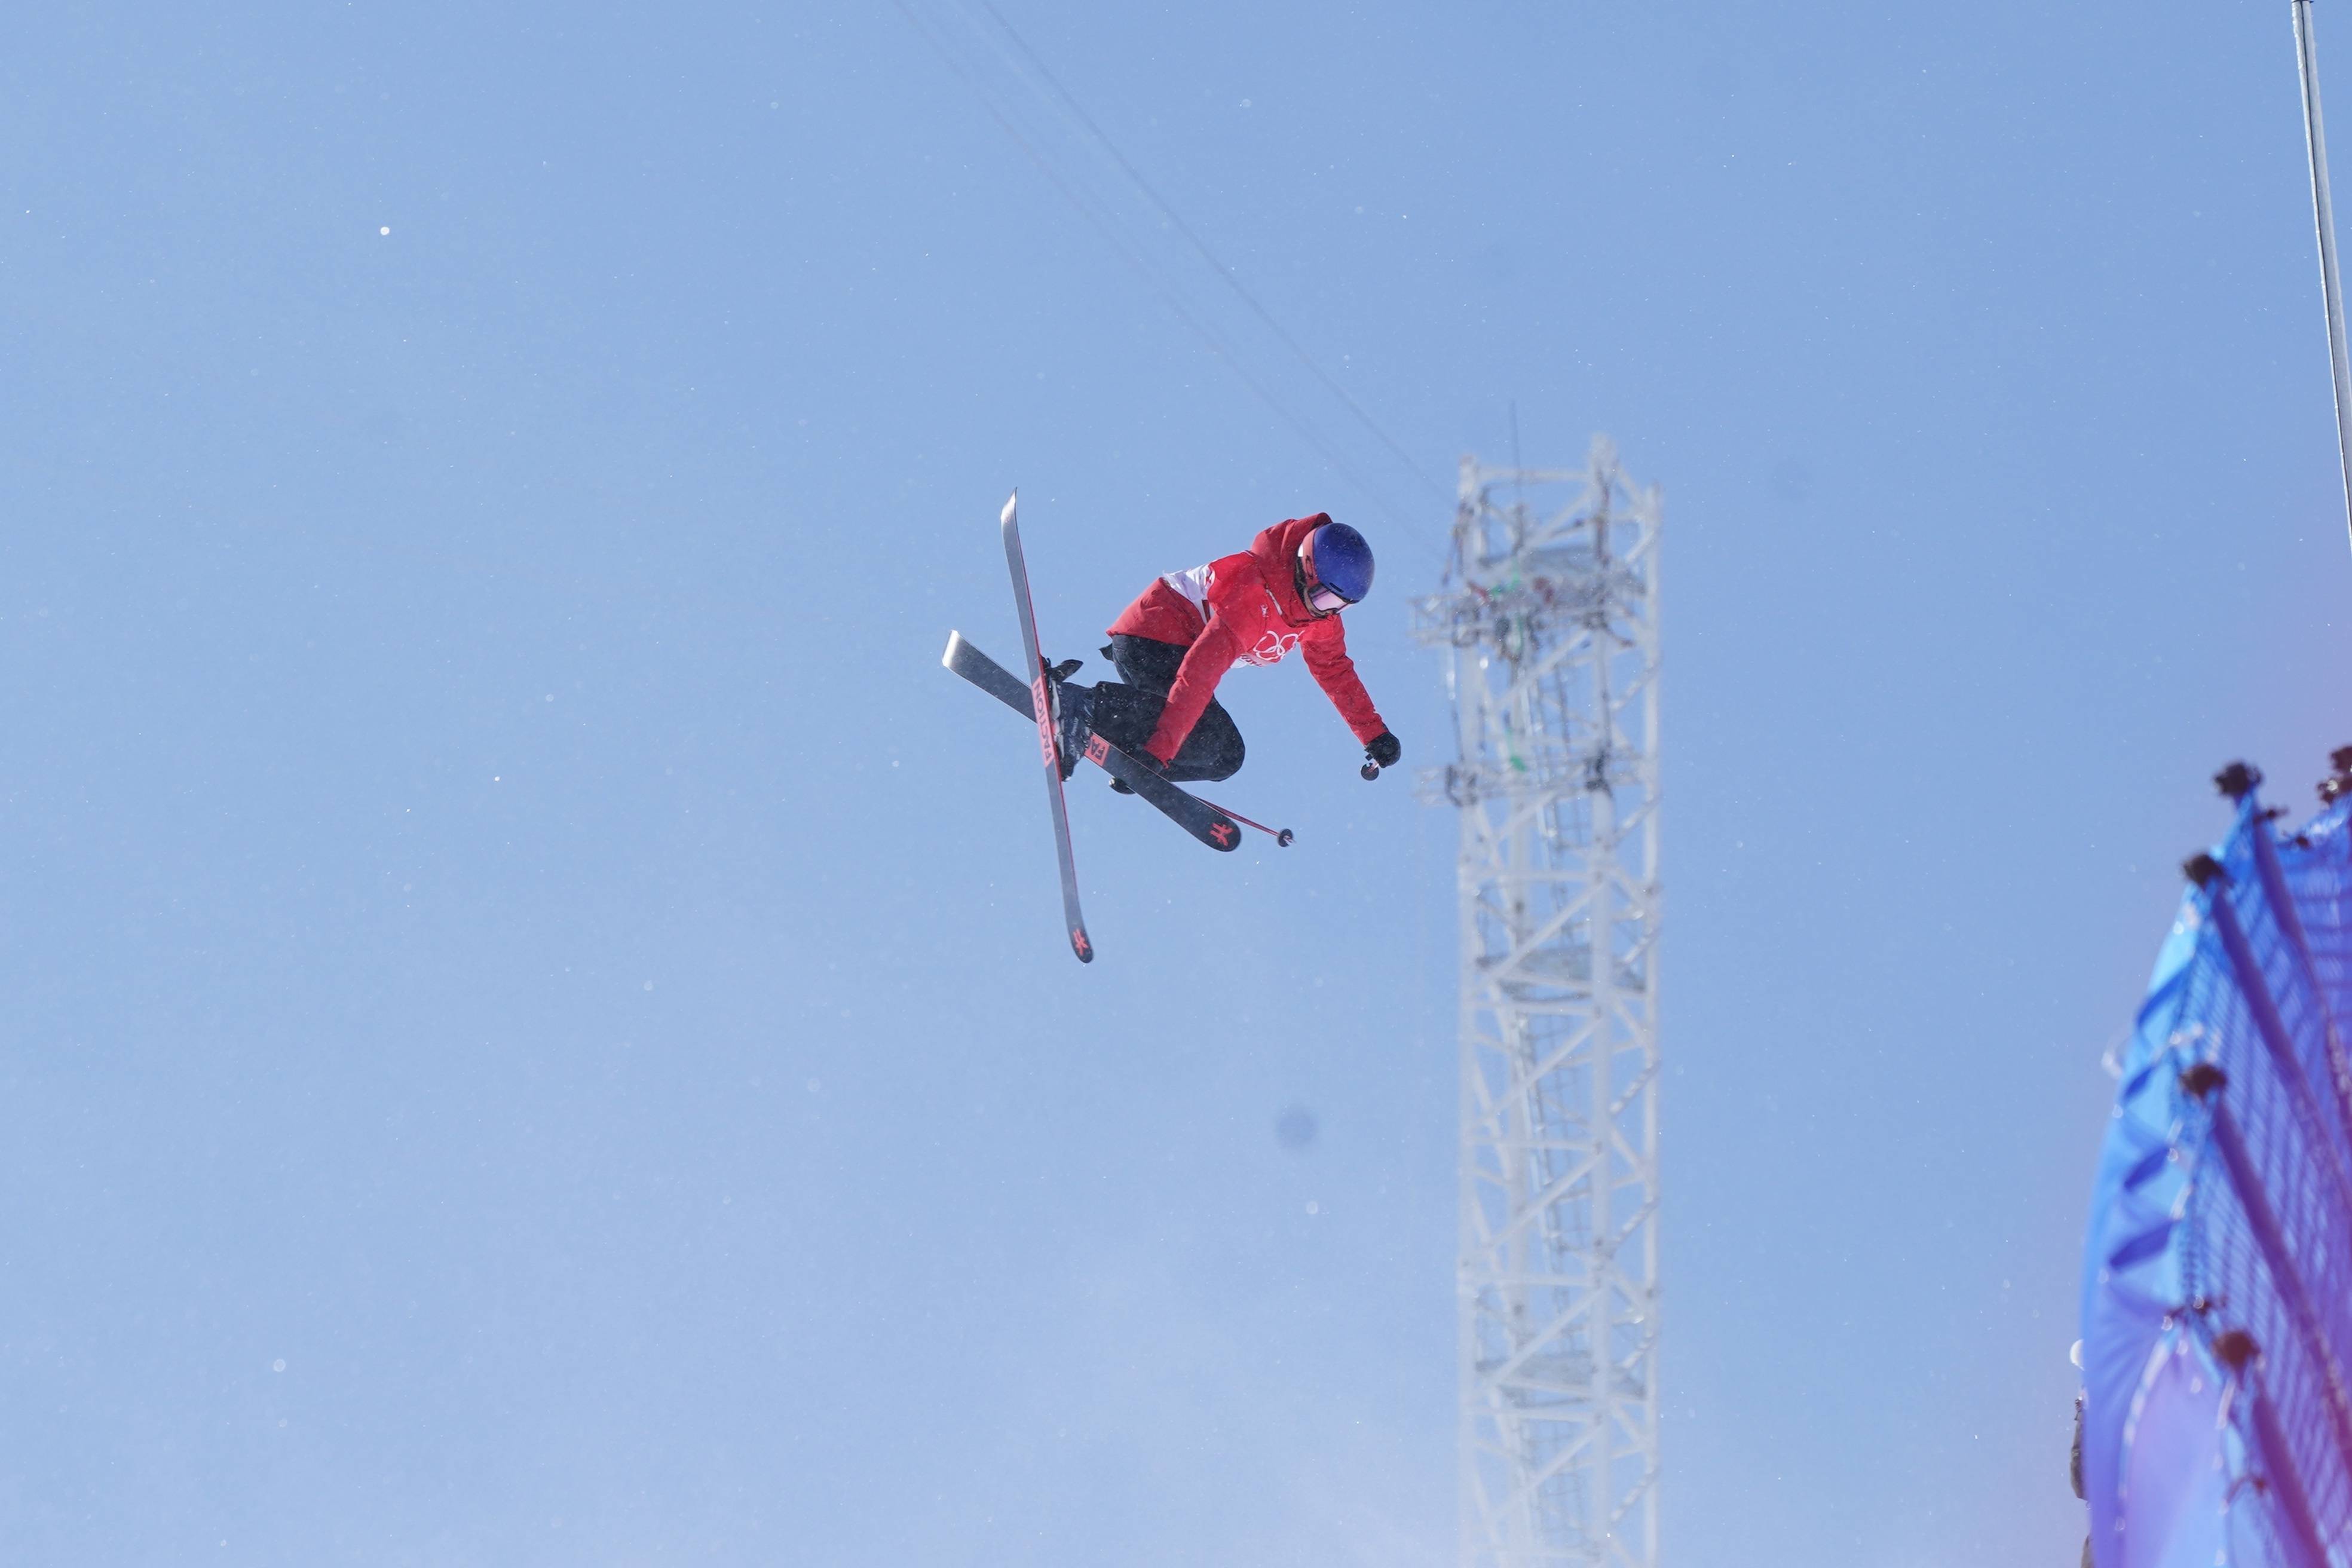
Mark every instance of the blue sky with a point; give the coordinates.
(506, 917)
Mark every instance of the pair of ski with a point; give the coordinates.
(1212, 825)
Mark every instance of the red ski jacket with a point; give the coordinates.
(1245, 609)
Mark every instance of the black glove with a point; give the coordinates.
(1384, 750)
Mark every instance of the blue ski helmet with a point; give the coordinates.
(1335, 562)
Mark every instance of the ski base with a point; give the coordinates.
(1041, 708)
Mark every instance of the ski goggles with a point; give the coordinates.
(1323, 601)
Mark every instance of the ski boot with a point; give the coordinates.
(1123, 716)
(1071, 710)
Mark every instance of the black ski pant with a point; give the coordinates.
(1126, 714)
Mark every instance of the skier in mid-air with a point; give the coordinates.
(1177, 640)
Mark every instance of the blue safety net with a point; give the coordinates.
(2217, 1283)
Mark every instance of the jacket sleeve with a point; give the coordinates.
(1325, 648)
(1205, 663)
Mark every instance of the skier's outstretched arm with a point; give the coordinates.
(1326, 652)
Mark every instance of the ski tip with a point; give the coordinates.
(955, 641)
(1080, 945)
(1012, 504)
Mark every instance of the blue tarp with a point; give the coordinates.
(2216, 1281)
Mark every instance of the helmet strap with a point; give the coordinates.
(1298, 581)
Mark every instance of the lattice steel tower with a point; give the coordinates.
(1549, 621)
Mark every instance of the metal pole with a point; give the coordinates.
(2331, 284)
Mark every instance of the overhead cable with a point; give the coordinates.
(1231, 279)
(1103, 223)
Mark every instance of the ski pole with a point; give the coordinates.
(1281, 836)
